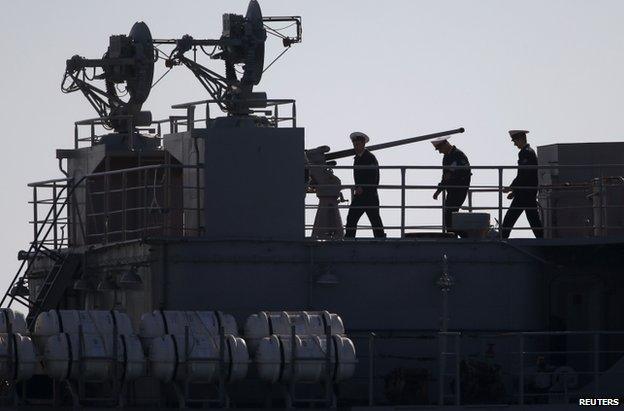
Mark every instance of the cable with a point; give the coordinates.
(159, 52)
(154, 204)
(206, 53)
(280, 29)
(160, 78)
(275, 33)
(87, 76)
(274, 60)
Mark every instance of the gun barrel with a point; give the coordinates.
(350, 152)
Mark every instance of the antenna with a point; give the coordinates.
(242, 43)
(127, 71)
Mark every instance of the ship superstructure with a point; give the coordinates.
(166, 236)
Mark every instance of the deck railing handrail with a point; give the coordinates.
(446, 367)
(270, 111)
(473, 190)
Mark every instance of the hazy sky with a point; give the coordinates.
(393, 69)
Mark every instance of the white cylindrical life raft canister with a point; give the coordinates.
(23, 357)
(274, 359)
(266, 323)
(314, 323)
(92, 322)
(16, 319)
(65, 358)
(159, 323)
(341, 356)
(171, 358)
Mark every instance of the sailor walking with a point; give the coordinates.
(455, 178)
(523, 189)
(364, 197)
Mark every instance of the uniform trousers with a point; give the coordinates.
(523, 201)
(359, 206)
(453, 200)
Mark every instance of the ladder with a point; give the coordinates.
(64, 267)
(54, 285)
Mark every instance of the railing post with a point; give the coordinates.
(173, 124)
(190, 118)
(124, 217)
(35, 223)
(198, 192)
(106, 207)
(521, 373)
(131, 134)
(166, 219)
(276, 115)
(144, 204)
(71, 215)
(500, 202)
(75, 136)
(603, 206)
(443, 207)
(469, 200)
(402, 202)
(596, 352)
(54, 216)
(87, 203)
(294, 114)
(207, 114)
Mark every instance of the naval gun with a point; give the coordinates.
(327, 187)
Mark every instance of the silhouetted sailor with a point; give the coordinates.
(364, 198)
(455, 181)
(524, 188)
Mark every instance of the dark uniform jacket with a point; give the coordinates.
(526, 177)
(364, 177)
(455, 177)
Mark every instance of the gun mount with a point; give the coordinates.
(327, 187)
(128, 61)
(241, 43)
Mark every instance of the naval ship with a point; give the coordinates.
(166, 271)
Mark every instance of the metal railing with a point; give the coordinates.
(55, 215)
(480, 368)
(601, 198)
(47, 197)
(269, 115)
(139, 202)
(277, 112)
(121, 205)
(167, 199)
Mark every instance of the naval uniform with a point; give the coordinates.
(524, 198)
(368, 201)
(455, 181)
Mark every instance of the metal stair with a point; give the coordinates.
(65, 264)
(54, 286)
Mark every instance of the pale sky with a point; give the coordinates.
(393, 69)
